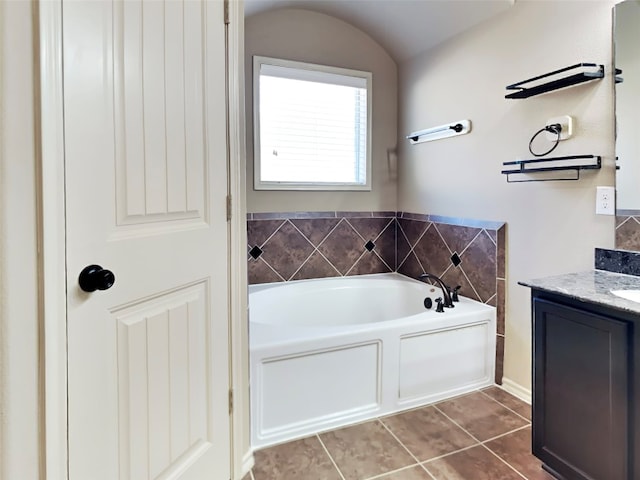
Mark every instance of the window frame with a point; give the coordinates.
(259, 184)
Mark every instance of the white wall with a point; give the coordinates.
(19, 372)
(551, 226)
(312, 37)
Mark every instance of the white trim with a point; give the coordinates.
(52, 237)
(239, 332)
(248, 463)
(516, 389)
(313, 72)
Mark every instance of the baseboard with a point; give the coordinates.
(516, 389)
(247, 464)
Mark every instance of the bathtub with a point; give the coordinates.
(329, 352)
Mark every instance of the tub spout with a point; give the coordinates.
(446, 292)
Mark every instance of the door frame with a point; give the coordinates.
(51, 221)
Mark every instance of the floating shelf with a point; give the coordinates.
(582, 72)
(574, 163)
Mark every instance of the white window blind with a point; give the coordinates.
(312, 127)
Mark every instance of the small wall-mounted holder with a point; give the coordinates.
(520, 170)
(565, 77)
(452, 129)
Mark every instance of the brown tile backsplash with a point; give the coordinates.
(301, 245)
(628, 232)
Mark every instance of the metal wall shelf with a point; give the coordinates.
(574, 163)
(582, 72)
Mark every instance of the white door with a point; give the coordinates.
(146, 184)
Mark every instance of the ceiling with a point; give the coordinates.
(404, 28)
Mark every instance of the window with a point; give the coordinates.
(312, 127)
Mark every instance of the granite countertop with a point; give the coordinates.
(592, 286)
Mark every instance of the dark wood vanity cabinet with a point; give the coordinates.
(584, 373)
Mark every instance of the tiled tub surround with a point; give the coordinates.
(301, 245)
(628, 230)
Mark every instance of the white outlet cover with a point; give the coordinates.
(605, 200)
(567, 127)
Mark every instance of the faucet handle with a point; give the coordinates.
(439, 305)
(454, 293)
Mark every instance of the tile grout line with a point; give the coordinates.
(625, 221)
(355, 229)
(325, 239)
(473, 240)
(251, 474)
(491, 238)
(398, 262)
(273, 233)
(394, 246)
(503, 461)
(388, 429)
(330, 232)
(421, 235)
(391, 472)
(326, 450)
(315, 249)
(464, 274)
(500, 403)
(272, 269)
(482, 443)
(448, 454)
(491, 298)
(444, 241)
(457, 424)
(383, 230)
(505, 434)
(355, 263)
(422, 465)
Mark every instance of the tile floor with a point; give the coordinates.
(484, 435)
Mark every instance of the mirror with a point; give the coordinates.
(626, 38)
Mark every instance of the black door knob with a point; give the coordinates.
(94, 277)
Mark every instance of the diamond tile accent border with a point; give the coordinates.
(471, 253)
(255, 252)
